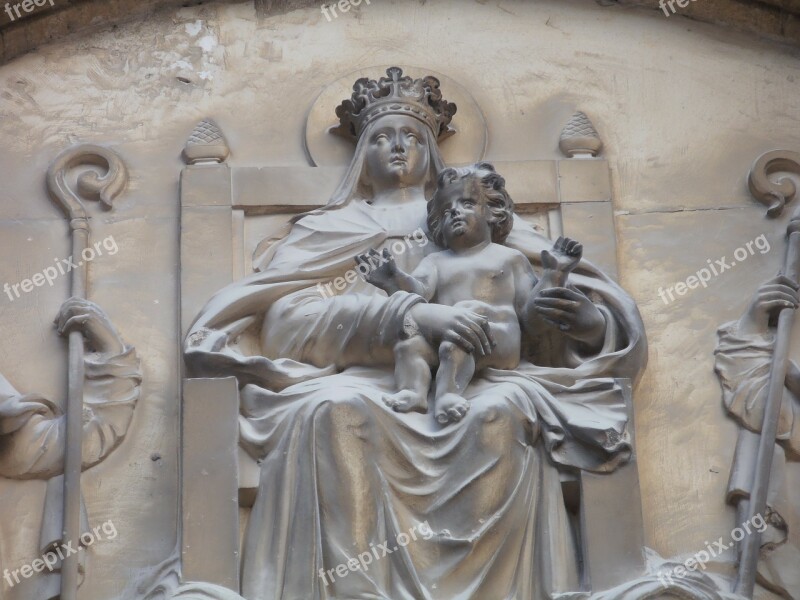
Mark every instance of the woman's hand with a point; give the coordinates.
(573, 313)
(468, 330)
(81, 315)
(772, 297)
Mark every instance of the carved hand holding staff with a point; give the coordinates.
(90, 186)
(775, 194)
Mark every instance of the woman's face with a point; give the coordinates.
(397, 153)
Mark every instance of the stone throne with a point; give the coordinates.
(230, 213)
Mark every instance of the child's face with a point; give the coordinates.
(465, 216)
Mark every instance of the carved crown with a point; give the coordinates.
(395, 94)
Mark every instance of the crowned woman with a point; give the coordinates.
(342, 475)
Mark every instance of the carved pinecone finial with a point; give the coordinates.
(206, 144)
(579, 137)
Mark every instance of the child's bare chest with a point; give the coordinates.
(484, 278)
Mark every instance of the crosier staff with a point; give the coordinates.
(90, 185)
(775, 194)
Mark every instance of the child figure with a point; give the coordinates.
(471, 215)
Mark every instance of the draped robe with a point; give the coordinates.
(33, 429)
(343, 476)
(33, 437)
(743, 363)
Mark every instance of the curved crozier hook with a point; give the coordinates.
(774, 194)
(91, 186)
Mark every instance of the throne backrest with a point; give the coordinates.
(228, 213)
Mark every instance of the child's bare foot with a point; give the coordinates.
(561, 260)
(406, 401)
(451, 408)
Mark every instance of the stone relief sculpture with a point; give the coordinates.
(470, 216)
(450, 492)
(41, 439)
(104, 188)
(345, 476)
(33, 427)
(761, 392)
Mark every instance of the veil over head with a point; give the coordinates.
(354, 183)
(312, 248)
(318, 246)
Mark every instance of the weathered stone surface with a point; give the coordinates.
(683, 107)
(774, 19)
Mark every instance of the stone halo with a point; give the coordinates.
(324, 149)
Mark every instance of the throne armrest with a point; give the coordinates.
(209, 480)
(611, 524)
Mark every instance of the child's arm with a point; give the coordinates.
(558, 264)
(425, 277)
(525, 281)
(383, 273)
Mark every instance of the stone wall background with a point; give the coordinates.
(683, 107)
(778, 20)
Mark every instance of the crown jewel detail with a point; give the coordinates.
(395, 94)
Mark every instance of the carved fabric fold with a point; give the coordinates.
(32, 427)
(342, 474)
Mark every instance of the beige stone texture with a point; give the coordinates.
(682, 111)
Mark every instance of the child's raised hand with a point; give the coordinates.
(558, 263)
(379, 268)
(564, 256)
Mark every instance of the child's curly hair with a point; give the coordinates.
(486, 181)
